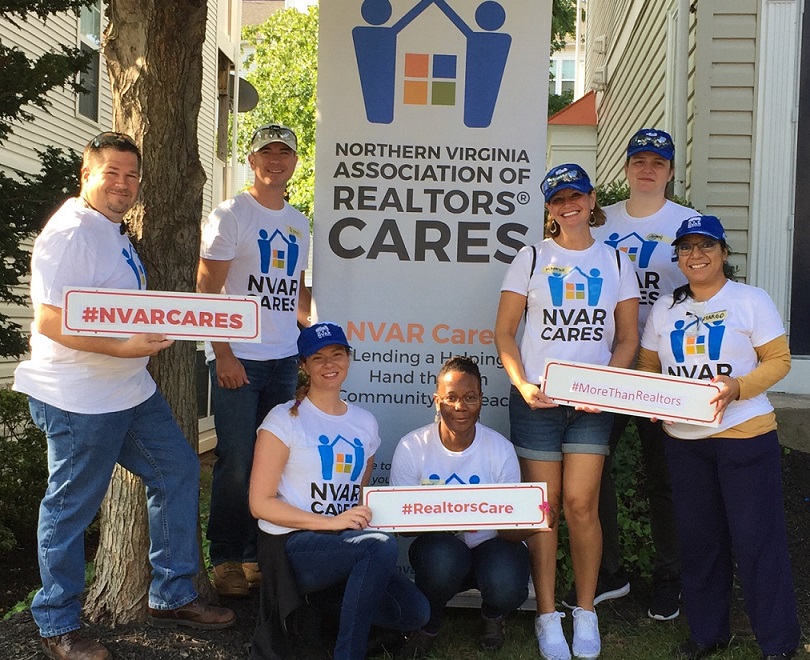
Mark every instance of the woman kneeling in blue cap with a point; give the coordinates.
(726, 481)
(312, 457)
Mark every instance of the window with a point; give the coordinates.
(90, 42)
(562, 76)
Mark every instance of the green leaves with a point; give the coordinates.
(284, 70)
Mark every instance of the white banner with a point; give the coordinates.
(197, 316)
(431, 149)
(458, 508)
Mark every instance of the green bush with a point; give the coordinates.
(23, 469)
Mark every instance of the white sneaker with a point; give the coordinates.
(550, 638)
(586, 634)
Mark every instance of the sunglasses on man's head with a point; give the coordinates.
(112, 139)
(275, 132)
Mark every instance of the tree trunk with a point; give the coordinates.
(153, 50)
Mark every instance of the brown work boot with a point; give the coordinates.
(72, 646)
(252, 574)
(196, 614)
(230, 580)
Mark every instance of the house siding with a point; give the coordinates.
(636, 69)
(725, 93)
(62, 126)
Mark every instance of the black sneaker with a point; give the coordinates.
(417, 645)
(608, 586)
(665, 603)
(493, 633)
(691, 650)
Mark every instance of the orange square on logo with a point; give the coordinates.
(416, 92)
(416, 65)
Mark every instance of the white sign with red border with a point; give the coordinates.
(196, 316)
(457, 508)
(631, 392)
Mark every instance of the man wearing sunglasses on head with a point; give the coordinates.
(97, 404)
(254, 244)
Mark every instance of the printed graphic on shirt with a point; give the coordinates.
(134, 262)
(436, 480)
(339, 457)
(699, 340)
(573, 322)
(640, 250)
(278, 264)
(564, 284)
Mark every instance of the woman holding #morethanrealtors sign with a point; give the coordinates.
(580, 301)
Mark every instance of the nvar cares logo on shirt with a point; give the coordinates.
(431, 78)
(339, 456)
(277, 283)
(698, 339)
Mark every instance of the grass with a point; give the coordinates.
(627, 632)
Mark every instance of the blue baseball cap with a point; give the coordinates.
(565, 176)
(651, 139)
(705, 225)
(315, 337)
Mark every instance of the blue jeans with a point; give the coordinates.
(82, 452)
(237, 415)
(376, 592)
(444, 566)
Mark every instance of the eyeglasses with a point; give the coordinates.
(112, 139)
(568, 175)
(656, 140)
(685, 248)
(453, 399)
(276, 132)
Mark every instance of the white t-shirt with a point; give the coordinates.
(79, 247)
(328, 455)
(268, 250)
(715, 337)
(421, 458)
(648, 243)
(572, 297)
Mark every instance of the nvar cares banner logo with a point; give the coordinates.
(431, 77)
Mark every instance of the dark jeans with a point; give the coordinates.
(237, 415)
(444, 566)
(659, 491)
(729, 509)
(376, 591)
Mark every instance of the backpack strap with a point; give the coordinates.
(618, 262)
(531, 274)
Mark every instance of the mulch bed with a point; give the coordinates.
(19, 574)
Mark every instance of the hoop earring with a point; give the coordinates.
(592, 220)
(553, 227)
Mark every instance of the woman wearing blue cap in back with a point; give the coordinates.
(726, 481)
(580, 302)
(643, 227)
(313, 455)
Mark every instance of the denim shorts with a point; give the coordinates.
(545, 434)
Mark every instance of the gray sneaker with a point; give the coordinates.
(587, 643)
(550, 638)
